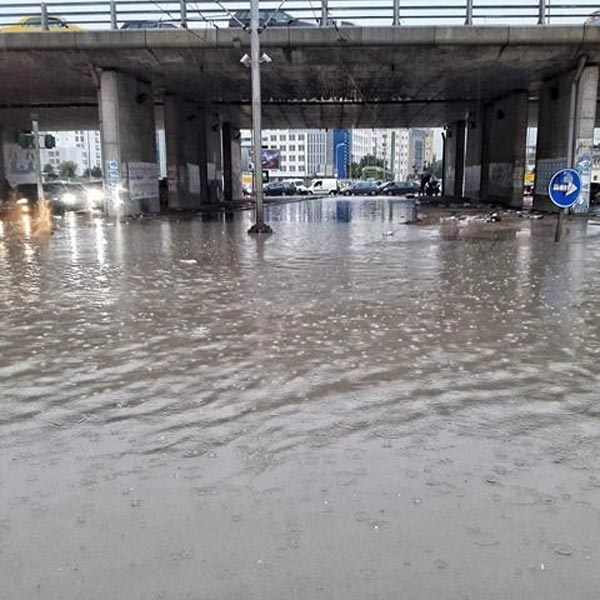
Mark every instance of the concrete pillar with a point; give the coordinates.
(454, 159)
(474, 153)
(213, 153)
(232, 163)
(184, 130)
(3, 181)
(504, 150)
(127, 127)
(555, 120)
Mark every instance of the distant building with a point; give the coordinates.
(81, 147)
(342, 147)
(320, 152)
(303, 152)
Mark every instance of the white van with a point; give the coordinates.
(324, 186)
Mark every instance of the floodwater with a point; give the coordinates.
(349, 409)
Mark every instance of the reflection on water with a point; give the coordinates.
(345, 409)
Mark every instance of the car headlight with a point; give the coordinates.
(69, 198)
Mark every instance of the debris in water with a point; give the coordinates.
(188, 261)
(563, 549)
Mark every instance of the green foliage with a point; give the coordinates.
(67, 169)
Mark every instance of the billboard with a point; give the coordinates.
(271, 158)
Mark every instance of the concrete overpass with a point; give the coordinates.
(483, 83)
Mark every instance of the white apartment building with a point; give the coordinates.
(81, 147)
(304, 152)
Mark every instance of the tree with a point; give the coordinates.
(366, 161)
(67, 169)
(94, 172)
(354, 170)
(48, 169)
(371, 161)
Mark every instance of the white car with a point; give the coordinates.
(325, 186)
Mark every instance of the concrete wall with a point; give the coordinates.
(454, 159)
(127, 127)
(504, 153)
(553, 132)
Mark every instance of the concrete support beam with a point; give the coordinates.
(184, 132)
(127, 127)
(232, 162)
(557, 118)
(213, 153)
(504, 150)
(3, 181)
(454, 159)
(474, 153)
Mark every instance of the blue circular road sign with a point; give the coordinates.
(564, 188)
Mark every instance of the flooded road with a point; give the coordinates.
(349, 409)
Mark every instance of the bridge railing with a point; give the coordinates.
(114, 14)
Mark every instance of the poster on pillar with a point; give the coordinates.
(143, 181)
(583, 164)
(193, 178)
(544, 169)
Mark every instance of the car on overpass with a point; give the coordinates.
(398, 188)
(362, 188)
(268, 17)
(137, 25)
(34, 23)
(280, 189)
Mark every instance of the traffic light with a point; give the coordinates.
(265, 176)
(26, 141)
(49, 141)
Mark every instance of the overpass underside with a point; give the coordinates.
(484, 83)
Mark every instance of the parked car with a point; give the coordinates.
(398, 188)
(280, 189)
(362, 188)
(34, 23)
(325, 186)
(148, 25)
(301, 189)
(270, 16)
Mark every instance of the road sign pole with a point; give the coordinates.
(558, 232)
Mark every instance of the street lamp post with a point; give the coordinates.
(259, 225)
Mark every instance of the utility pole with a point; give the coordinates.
(259, 225)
